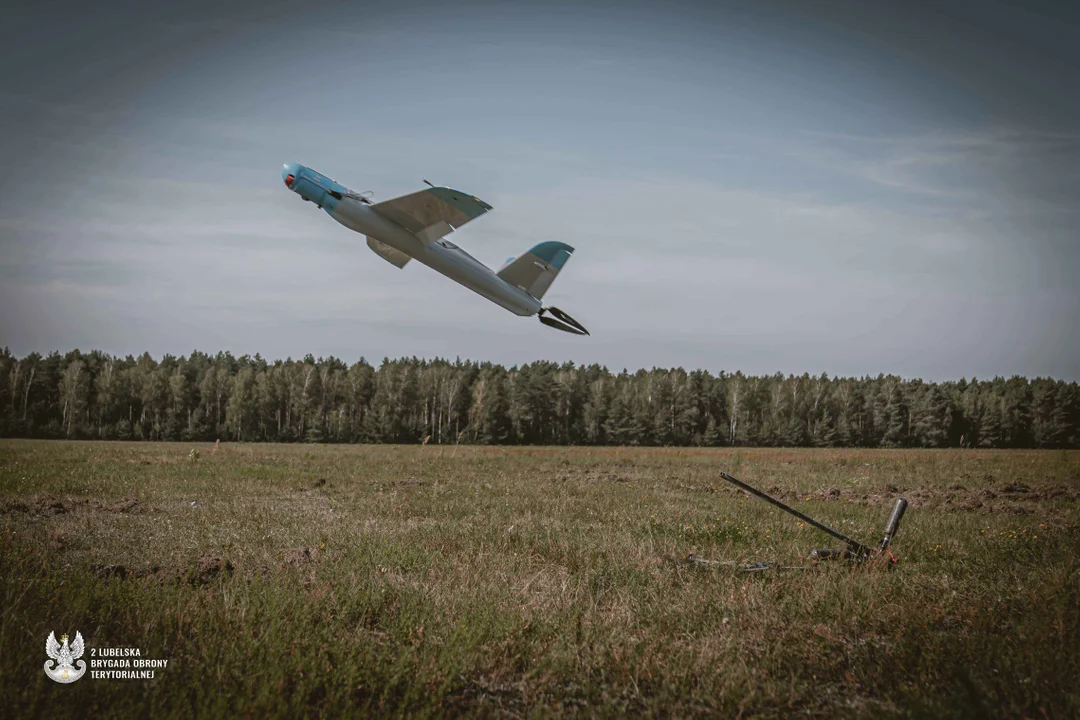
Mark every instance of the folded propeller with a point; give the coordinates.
(561, 321)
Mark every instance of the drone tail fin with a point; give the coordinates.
(535, 270)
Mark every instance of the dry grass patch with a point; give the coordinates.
(332, 580)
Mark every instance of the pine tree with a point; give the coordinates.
(990, 433)
(1049, 412)
(895, 418)
(931, 418)
(711, 438)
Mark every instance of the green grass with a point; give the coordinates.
(338, 580)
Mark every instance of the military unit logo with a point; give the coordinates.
(63, 657)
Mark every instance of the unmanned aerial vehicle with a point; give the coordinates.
(415, 226)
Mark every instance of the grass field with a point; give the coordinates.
(335, 580)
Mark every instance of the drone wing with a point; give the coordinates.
(433, 213)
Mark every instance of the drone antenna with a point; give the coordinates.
(429, 183)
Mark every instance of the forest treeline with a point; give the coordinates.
(208, 397)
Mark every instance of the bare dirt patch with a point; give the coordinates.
(47, 505)
(38, 505)
(315, 485)
(1014, 498)
(295, 557)
(208, 568)
(202, 571)
(129, 505)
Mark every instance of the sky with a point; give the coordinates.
(840, 187)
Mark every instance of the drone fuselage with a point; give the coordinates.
(439, 254)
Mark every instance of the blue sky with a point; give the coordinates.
(837, 189)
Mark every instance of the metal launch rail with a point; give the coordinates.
(855, 550)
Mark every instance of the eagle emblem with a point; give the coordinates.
(63, 658)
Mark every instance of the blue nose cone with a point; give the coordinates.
(289, 173)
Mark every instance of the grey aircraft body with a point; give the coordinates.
(415, 226)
